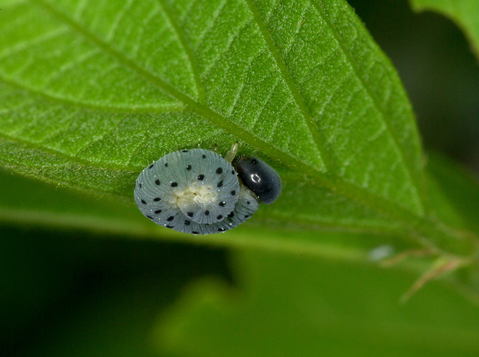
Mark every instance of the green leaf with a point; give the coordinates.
(465, 13)
(91, 92)
(292, 306)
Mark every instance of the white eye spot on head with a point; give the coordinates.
(255, 178)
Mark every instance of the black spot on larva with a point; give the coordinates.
(195, 232)
(222, 204)
(219, 217)
(143, 201)
(207, 213)
(151, 166)
(248, 202)
(219, 170)
(168, 226)
(184, 150)
(166, 164)
(219, 184)
(203, 156)
(221, 229)
(187, 223)
(158, 211)
(233, 193)
(156, 199)
(189, 214)
(157, 181)
(233, 172)
(188, 167)
(150, 217)
(170, 218)
(254, 162)
(174, 184)
(140, 185)
(231, 215)
(246, 216)
(201, 177)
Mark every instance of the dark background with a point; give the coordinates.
(60, 287)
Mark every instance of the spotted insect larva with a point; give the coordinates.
(195, 191)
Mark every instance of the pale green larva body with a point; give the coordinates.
(194, 191)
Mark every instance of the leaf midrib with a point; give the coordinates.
(420, 224)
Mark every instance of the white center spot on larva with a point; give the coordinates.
(195, 194)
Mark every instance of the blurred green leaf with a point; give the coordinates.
(465, 13)
(62, 289)
(93, 92)
(115, 323)
(292, 306)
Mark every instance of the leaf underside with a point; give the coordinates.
(93, 91)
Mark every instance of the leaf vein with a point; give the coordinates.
(295, 92)
(372, 99)
(186, 47)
